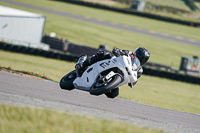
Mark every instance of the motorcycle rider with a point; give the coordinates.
(141, 53)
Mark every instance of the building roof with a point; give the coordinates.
(7, 11)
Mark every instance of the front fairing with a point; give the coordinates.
(90, 75)
(131, 70)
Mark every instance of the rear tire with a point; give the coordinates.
(67, 81)
(96, 89)
(113, 93)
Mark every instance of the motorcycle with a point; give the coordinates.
(104, 77)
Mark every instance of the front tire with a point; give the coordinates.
(99, 88)
(67, 81)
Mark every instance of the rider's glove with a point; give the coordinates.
(100, 53)
(118, 52)
(127, 52)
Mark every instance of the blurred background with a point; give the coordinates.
(46, 37)
(60, 30)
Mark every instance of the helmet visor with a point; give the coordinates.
(143, 60)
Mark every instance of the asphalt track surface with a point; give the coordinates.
(110, 24)
(21, 89)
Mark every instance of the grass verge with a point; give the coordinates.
(36, 120)
(149, 90)
(162, 51)
(9, 69)
(129, 20)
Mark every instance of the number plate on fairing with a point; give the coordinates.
(110, 75)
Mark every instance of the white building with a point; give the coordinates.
(21, 26)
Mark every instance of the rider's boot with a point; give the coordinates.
(79, 66)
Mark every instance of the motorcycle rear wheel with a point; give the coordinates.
(112, 93)
(67, 81)
(98, 89)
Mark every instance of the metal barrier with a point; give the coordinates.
(69, 47)
(38, 52)
(172, 76)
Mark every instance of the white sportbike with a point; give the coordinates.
(104, 77)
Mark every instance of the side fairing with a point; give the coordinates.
(89, 76)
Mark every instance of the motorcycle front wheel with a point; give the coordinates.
(67, 81)
(100, 88)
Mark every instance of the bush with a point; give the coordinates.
(191, 4)
(128, 2)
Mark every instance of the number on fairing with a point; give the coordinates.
(110, 75)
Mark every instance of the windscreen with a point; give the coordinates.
(135, 63)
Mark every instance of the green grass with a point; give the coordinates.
(162, 51)
(165, 8)
(36, 120)
(129, 20)
(109, 3)
(149, 90)
(176, 9)
(53, 69)
(164, 93)
(197, 4)
(179, 4)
